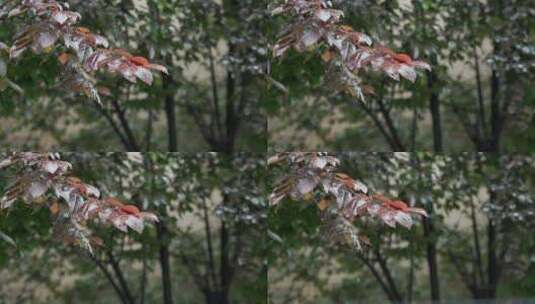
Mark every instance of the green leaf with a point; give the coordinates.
(8, 239)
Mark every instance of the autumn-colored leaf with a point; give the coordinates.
(88, 52)
(63, 58)
(340, 198)
(54, 208)
(138, 60)
(75, 202)
(403, 58)
(318, 25)
(399, 205)
(104, 91)
(324, 203)
(327, 56)
(130, 209)
(96, 241)
(345, 28)
(82, 29)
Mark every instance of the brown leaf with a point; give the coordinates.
(63, 58)
(324, 203)
(327, 56)
(96, 241)
(398, 205)
(367, 89)
(140, 61)
(105, 91)
(54, 208)
(403, 58)
(130, 209)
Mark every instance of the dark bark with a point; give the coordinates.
(414, 129)
(390, 125)
(477, 246)
(482, 119)
(231, 119)
(170, 113)
(148, 132)
(216, 297)
(162, 234)
(225, 262)
(122, 281)
(495, 122)
(143, 281)
(431, 255)
(434, 108)
(492, 260)
(110, 279)
(134, 147)
(388, 276)
(211, 268)
(115, 127)
(380, 280)
(379, 126)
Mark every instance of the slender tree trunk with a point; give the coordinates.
(164, 263)
(478, 275)
(431, 255)
(110, 278)
(492, 260)
(380, 280)
(389, 278)
(434, 108)
(120, 277)
(225, 274)
(170, 114)
(430, 235)
(493, 274)
(216, 297)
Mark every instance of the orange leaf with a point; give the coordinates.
(64, 58)
(54, 208)
(327, 56)
(346, 28)
(398, 205)
(138, 60)
(82, 29)
(403, 58)
(130, 209)
(324, 203)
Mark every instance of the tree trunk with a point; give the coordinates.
(431, 255)
(164, 263)
(434, 108)
(493, 264)
(170, 114)
(216, 297)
